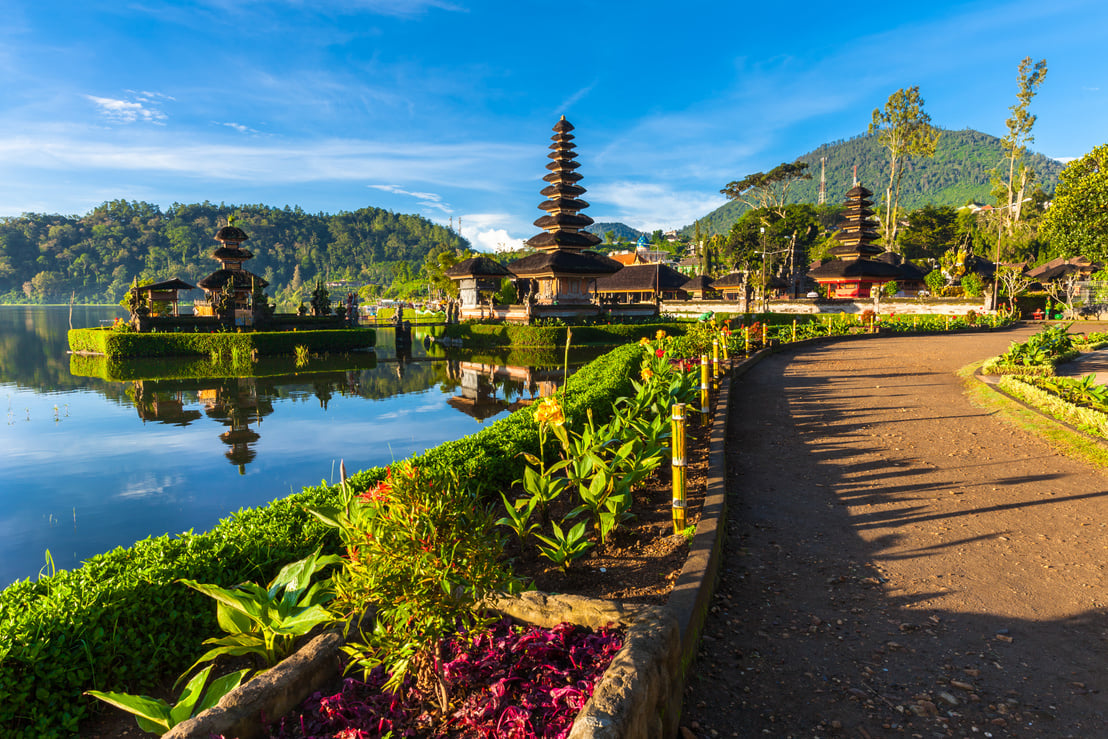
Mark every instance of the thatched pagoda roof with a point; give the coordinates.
(561, 261)
(700, 283)
(642, 278)
(855, 268)
(231, 234)
(731, 279)
(478, 267)
(240, 280)
(563, 239)
(232, 253)
(174, 284)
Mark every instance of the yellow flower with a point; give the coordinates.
(647, 373)
(642, 342)
(550, 413)
(660, 335)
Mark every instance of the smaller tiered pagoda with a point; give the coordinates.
(231, 288)
(562, 274)
(854, 271)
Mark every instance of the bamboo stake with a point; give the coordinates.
(679, 463)
(794, 330)
(704, 386)
(715, 359)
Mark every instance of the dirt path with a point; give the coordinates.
(899, 562)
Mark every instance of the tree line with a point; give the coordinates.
(95, 257)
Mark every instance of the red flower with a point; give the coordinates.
(659, 353)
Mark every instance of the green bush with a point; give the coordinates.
(480, 335)
(121, 344)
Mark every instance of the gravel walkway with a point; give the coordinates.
(899, 562)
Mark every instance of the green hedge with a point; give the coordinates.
(1088, 420)
(120, 344)
(120, 621)
(483, 335)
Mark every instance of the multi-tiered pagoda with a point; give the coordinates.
(559, 279)
(854, 271)
(231, 277)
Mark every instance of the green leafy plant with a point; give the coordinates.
(563, 549)
(421, 547)
(519, 518)
(267, 621)
(157, 716)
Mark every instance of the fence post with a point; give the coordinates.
(679, 463)
(715, 359)
(704, 386)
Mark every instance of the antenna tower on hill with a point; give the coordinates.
(822, 180)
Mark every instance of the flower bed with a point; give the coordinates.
(520, 681)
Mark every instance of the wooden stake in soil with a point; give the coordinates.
(704, 386)
(794, 330)
(715, 359)
(679, 463)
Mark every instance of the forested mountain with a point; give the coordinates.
(621, 231)
(95, 257)
(959, 173)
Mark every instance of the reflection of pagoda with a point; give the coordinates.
(241, 283)
(854, 271)
(561, 275)
(237, 406)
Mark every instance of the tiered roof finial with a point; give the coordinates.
(563, 223)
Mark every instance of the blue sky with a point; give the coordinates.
(444, 107)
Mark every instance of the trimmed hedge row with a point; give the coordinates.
(1086, 419)
(120, 621)
(491, 335)
(120, 344)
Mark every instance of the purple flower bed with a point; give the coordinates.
(517, 682)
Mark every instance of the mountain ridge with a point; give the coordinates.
(959, 173)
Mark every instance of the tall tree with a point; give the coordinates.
(1077, 220)
(1015, 143)
(768, 190)
(905, 131)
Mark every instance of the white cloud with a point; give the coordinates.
(489, 232)
(650, 206)
(128, 111)
(426, 199)
(238, 127)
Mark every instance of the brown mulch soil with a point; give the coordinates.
(900, 562)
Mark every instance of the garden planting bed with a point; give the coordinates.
(617, 583)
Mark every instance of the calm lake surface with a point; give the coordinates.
(89, 462)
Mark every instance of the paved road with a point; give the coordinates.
(899, 561)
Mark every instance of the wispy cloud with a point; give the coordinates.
(237, 126)
(426, 199)
(573, 99)
(142, 107)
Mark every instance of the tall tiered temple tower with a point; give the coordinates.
(561, 275)
(854, 272)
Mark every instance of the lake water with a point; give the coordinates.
(89, 462)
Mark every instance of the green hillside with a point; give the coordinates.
(48, 258)
(959, 173)
(622, 231)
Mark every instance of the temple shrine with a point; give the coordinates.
(561, 276)
(231, 283)
(854, 272)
